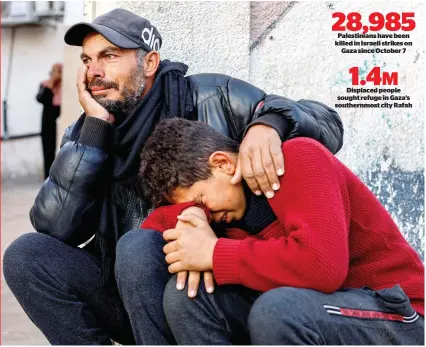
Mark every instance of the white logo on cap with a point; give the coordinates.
(151, 41)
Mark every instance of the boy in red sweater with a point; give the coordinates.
(321, 262)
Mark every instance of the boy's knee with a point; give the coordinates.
(139, 244)
(174, 301)
(138, 253)
(276, 312)
(262, 311)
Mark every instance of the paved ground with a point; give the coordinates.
(17, 198)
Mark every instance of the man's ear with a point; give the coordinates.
(223, 161)
(150, 63)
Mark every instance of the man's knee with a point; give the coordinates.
(139, 253)
(22, 256)
(277, 313)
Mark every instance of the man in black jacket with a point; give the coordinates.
(109, 288)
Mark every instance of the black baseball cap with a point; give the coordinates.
(123, 28)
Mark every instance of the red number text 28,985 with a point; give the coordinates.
(392, 21)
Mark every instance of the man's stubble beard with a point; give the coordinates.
(130, 96)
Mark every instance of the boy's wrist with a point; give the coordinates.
(211, 252)
(196, 210)
(225, 261)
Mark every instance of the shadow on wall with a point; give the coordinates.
(264, 15)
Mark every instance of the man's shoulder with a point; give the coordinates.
(208, 80)
(206, 85)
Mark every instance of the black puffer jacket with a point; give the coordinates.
(68, 204)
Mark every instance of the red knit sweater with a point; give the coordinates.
(331, 232)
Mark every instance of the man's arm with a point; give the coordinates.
(303, 118)
(312, 209)
(68, 204)
(265, 121)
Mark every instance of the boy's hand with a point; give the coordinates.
(190, 249)
(194, 276)
(90, 106)
(194, 281)
(260, 160)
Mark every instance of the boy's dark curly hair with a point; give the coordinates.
(177, 155)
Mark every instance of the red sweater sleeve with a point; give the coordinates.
(308, 245)
(165, 217)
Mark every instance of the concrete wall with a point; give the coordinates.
(296, 57)
(209, 36)
(35, 49)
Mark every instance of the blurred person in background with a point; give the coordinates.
(49, 95)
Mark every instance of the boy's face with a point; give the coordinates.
(226, 201)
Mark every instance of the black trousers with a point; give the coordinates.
(48, 141)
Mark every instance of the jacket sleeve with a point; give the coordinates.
(303, 118)
(68, 204)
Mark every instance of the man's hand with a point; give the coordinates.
(190, 249)
(90, 106)
(260, 160)
(194, 281)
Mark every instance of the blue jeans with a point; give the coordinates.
(59, 288)
(219, 318)
(293, 316)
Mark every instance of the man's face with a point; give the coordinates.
(115, 79)
(226, 201)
